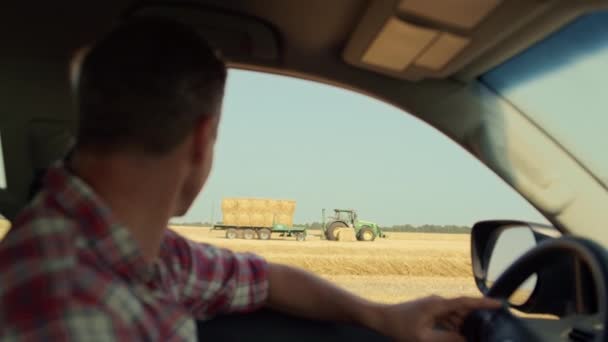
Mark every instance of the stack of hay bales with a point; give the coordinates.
(257, 212)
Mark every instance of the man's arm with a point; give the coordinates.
(213, 280)
(323, 300)
(209, 280)
(428, 319)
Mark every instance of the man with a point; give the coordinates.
(91, 257)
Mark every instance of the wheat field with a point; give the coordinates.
(403, 266)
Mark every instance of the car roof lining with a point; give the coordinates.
(288, 46)
(514, 26)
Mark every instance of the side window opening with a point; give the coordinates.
(2, 168)
(291, 151)
(5, 225)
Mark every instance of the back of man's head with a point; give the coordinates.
(143, 87)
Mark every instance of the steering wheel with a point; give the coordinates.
(502, 325)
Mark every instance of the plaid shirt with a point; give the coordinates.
(70, 271)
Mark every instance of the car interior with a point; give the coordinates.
(427, 58)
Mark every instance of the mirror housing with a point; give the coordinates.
(550, 282)
(484, 236)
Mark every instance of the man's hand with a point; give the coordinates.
(429, 319)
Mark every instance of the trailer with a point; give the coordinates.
(254, 218)
(262, 233)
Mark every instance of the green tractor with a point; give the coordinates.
(343, 218)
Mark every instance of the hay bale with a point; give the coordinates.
(257, 219)
(258, 205)
(244, 204)
(268, 219)
(284, 219)
(230, 218)
(272, 206)
(346, 235)
(228, 204)
(287, 207)
(243, 219)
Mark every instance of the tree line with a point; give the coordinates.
(430, 228)
(426, 228)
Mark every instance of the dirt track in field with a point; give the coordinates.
(404, 266)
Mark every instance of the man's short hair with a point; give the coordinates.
(144, 85)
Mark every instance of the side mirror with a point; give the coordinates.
(495, 245)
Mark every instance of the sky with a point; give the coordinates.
(326, 147)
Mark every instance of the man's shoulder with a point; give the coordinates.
(40, 223)
(40, 244)
(38, 266)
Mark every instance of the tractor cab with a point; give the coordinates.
(347, 216)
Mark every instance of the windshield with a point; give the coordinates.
(561, 84)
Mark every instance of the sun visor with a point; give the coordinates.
(442, 51)
(425, 47)
(388, 51)
(418, 39)
(461, 14)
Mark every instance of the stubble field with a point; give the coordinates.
(402, 267)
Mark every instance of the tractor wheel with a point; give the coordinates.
(264, 234)
(332, 231)
(366, 234)
(249, 234)
(231, 233)
(300, 236)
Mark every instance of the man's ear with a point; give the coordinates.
(204, 136)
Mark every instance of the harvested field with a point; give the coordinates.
(404, 266)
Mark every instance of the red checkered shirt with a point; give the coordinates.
(70, 271)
